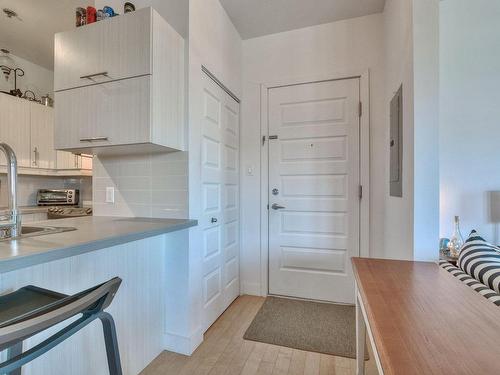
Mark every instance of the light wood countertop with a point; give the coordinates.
(425, 321)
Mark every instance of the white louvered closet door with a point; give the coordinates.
(219, 220)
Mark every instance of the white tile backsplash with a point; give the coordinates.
(28, 186)
(145, 185)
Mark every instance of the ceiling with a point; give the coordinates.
(253, 18)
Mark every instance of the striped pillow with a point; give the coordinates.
(471, 282)
(481, 260)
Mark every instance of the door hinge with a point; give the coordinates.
(360, 191)
(360, 109)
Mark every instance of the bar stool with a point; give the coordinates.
(31, 310)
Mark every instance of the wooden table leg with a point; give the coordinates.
(360, 337)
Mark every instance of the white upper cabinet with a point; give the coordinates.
(43, 154)
(112, 49)
(28, 128)
(15, 128)
(120, 86)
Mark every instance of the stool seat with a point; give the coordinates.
(25, 301)
(30, 310)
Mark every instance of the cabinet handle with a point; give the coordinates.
(90, 76)
(92, 139)
(35, 156)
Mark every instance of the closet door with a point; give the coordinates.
(230, 196)
(219, 221)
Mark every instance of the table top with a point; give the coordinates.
(425, 321)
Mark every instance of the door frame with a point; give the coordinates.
(364, 178)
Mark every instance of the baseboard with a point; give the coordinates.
(252, 289)
(183, 344)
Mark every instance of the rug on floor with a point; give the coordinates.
(311, 326)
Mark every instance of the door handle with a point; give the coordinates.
(35, 156)
(277, 207)
(90, 76)
(213, 220)
(93, 139)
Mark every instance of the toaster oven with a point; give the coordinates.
(53, 197)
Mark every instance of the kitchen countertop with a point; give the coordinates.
(28, 209)
(93, 233)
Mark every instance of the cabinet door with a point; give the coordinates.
(112, 113)
(67, 160)
(87, 162)
(43, 154)
(119, 47)
(15, 128)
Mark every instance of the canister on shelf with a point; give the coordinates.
(109, 12)
(81, 16)
(128, 7)
(91, 14)
(99, 15)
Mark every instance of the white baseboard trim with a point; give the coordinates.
(252, 289)
(183, 344)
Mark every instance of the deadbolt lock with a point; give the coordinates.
(275, 191)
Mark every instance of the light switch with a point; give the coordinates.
(110, 194)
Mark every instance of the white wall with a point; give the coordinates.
(426, 129)
(411, 30)
(398, 59)
(36, 78)
(470, 113)
(145, 185)
(354, 45)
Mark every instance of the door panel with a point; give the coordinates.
(67, 160)
(96, 111)
(220, 203)
(314, 165)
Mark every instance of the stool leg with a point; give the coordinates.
(111, 341)
(12, 352)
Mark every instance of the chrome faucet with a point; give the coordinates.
(12, 226)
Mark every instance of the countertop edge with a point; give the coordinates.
(74, 250)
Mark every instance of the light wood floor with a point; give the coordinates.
(224, 352)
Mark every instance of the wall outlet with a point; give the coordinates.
(110, 195)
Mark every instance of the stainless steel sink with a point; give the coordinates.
(32, 231)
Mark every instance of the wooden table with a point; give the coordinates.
(422, 320)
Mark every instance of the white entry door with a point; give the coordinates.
(219, 196)
(314, 189)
